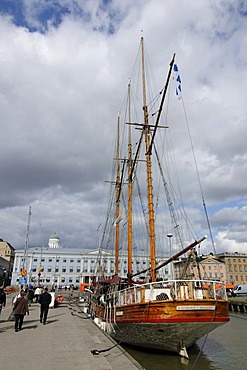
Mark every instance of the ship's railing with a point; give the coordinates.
(169, 290)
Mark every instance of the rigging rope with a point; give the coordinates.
(198, 176)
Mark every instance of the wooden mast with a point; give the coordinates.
(129, 195)
(117, 200)
(149, 173)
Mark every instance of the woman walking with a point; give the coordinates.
(20, 309)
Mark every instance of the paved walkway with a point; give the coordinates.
(64, 343)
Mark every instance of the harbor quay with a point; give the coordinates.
(69, 340)
(238, 304)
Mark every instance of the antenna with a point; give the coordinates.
(27, 239)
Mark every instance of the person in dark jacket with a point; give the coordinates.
(2, 299)
(20, 309)
(30, 296)
(44, 300)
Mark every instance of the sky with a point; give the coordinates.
(64, 67)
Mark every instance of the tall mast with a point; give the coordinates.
(117, 200)
(149, 172)
(129, 195)
(27, 240)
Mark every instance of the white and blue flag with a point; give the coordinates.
(178, 81)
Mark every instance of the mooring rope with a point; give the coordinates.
(98, 351)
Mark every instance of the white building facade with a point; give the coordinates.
(59, 266)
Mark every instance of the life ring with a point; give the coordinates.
(59, 298)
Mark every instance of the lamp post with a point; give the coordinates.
(55, 268)
(169, 236)
(40, 265)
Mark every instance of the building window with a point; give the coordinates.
(78, 269)
(64, 269)
(42, 260)
(35, 259)
(50, 260)
(71, 269)
(62, 280)
(64, 260)
(58, 259)
(57, 269)
(49, 269)
(78, 261)
(71, 261)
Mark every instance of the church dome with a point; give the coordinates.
(54, 236)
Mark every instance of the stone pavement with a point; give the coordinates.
(64, 343)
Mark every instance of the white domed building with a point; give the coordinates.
(55, 265)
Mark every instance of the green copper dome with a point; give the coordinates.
(54, 236)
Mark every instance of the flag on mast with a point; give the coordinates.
(178, 81)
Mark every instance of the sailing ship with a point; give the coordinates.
(145, 308)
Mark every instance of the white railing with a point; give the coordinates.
(169, 290)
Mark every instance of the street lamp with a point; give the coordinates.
(169, 236)
(57, 258)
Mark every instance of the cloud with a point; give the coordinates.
(64, 71)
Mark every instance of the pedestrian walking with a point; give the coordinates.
(37, 293)
(20, 309)
(2, 298)
(44, 300)
(30, 296)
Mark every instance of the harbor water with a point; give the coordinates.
(224, 348)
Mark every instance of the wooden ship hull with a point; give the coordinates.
(138, 316)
